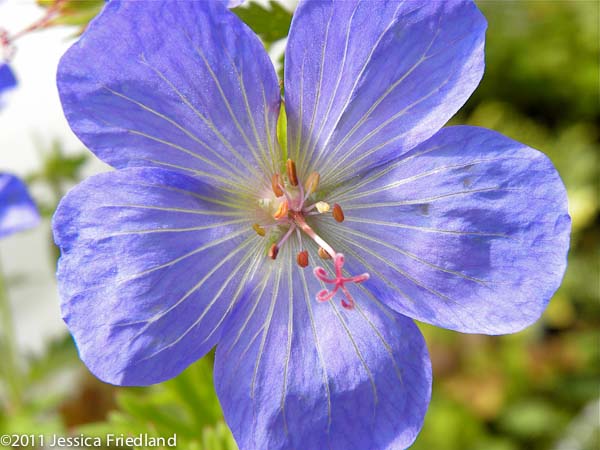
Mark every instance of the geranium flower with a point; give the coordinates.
(303, 263)
(17, 210)
(7, 80)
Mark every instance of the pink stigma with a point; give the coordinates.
(339, 282)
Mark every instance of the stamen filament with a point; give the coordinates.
(286, 235)
(312, 182)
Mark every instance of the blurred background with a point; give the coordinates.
(538, 389)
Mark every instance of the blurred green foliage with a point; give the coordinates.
(271, 23)
(538, 389)
(57, 173)
(186, 406)
(72, 12)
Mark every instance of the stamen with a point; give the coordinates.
(299, 237)
(282, 211)
(312, 182)
(287, 234)
(323, 253)
(291, 172)
(273, 251)
(337, 213)
(339, 282)
(302, 258)
(259, 230)
(322, 207)
(276, 185)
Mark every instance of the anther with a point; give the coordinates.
(312, 182)
(273, 251)
(259, 230)
(322, 207)
(302, 258)
(291, 172)
(323, 253)
(276, 185)
(337, 213)
(282, 211)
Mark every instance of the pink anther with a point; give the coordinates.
(339, 282)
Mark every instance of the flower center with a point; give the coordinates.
(291, 212)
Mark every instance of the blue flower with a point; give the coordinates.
(7, 79)
(17, 210)
(208, 233)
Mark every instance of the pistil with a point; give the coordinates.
(339, 282)
(299, 220)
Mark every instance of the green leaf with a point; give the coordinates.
(271, 23)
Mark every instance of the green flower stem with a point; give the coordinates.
(9, 369)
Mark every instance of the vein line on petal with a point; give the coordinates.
(396, 116)
(426, 229)
(429, 199)
(393, 86)
(266, 328)
(289, 345)
(250, 315)
(416, 177)
(367, 153)
(318, 93)
(187, 295)
(175, 230)
(222, 179)
(201, 212)
(401, 271)
(236, 296)
(335, 89)
(413, 256)
(217, 178)
(386, 345)
(370, 268)
(357, 79)
(308, 301)
(197, 286)
(175, 124)
(200, 53)
(198, 250)
(272, 152)
(298, 137)
(232, 205)
(358, 354)
(265, 160)
(349, 188)
(238, 187)
(208, 123)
